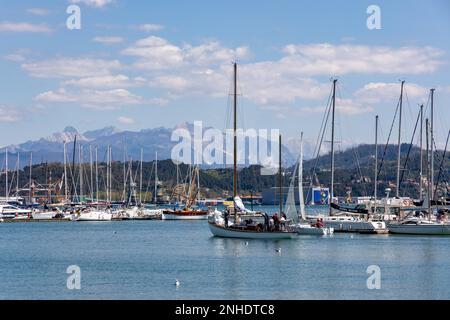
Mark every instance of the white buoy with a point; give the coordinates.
(177, 283)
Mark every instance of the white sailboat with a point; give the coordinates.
(91, 215)
(303, 226)
(424, 225)
(244, 223)
(338, 219)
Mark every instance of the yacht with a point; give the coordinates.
(8, 211)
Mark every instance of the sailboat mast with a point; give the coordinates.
(73, 168)
(428, 169)
(421, 155)
(96, 174)
(397, 191)
(81, 173)
(91, 164)
(375, 187)
(432, 143)
(31, 180)
(300, 181)
(17, 174)
(66, 190)
(333, 112)
(280, 182)
(6, 184)
(235, 135)
(140, 176)
(155, 197)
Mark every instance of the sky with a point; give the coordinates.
(147, 64)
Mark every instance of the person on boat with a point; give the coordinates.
(283, 221)
(225, 216)
(266, 221)
(276, 221)
(320, 223)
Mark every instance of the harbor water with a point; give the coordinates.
(142, 260)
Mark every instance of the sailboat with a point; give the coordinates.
(341, 220)
(188, 212)
(303, 226)
(237, 221)
(418, 224)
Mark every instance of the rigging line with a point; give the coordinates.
(409, 149)
(320, 142)
(389, 138)
(358, 170)
(324, 119)
(441, 166)
(149, 180)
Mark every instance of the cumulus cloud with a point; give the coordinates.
(17, 27)
(125, 120)
(149, 27)
(376, 92)
(328, 59)
(68, 67)
(155, 53)
(38, 11)
(8, 115)
(108, 40)
(93, 3)
(106, 82)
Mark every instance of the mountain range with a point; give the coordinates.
(51, 149)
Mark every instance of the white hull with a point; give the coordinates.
(238, 234)
(357, 226)
(421, 229)
(171, 216)
(43, 216)
(313, 231)
(92, 216)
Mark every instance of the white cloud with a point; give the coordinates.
(380, 91)
(38, 11)
(8, 115)
(328, 59)
(155, 53)
(107, 82)
(67, 67)
(125, 120)
(148, 27)
(93, 3)
(95, 99)
(108, 40)
(24, 27)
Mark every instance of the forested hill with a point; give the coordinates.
(354, 172)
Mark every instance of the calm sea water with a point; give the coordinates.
(142, 259)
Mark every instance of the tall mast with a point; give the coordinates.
(96, 174)
(66, 190)
(124, 170)
(73, 167)
(107, 175)
(92, 173)
(110, 173)
(235, 135)
(300, 181)
(332, 145)
(280, 181)
(432, 143)
(397, 191)
(17, 174)
(376, 164)
(198, 185)
(31, 180)
(6, 185)
(421, 154)
(140, 176)
(155, 197)
(428, 167)
(81, 173)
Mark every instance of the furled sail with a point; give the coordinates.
(291, 209)
(300, 181)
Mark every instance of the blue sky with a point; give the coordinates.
(144, 64)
